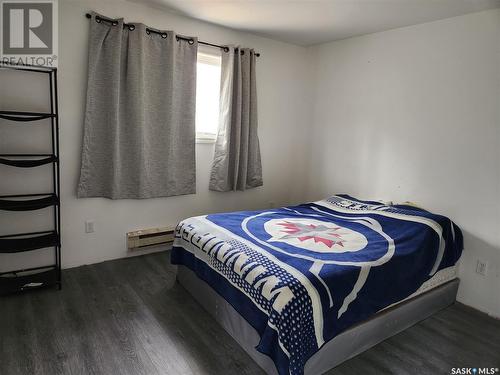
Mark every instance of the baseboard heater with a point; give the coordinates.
(150, 237)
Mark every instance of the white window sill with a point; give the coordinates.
(205, 140)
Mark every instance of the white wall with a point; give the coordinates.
(414, 114)
(282, 75)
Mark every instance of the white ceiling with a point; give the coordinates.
(308, 22)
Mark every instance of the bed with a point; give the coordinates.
(306, 287)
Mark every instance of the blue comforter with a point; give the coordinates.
(301, 275)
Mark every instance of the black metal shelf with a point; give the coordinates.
(25, 116)
(24, 203)
(15, 281)
(31, 278)
(28, 241)
(27, 160)
(27, 67)
(26, 270)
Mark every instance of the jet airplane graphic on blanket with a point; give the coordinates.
(319, 233)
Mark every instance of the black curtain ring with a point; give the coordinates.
(148, 32)
(114, 23)
(98, 19)
(164, 35)
(191, 41)
(226, 49)
(177, 37)
(131, 27)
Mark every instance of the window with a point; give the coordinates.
(207, 96)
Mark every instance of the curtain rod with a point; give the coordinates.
(163, 34)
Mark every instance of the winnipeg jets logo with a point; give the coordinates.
(315, 235)
(318, 233)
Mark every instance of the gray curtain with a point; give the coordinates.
(237, 164)
(139, 132)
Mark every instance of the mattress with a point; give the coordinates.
(302, 275)
(346, 345)
(441, 277)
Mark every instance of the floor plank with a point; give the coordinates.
(129, 316)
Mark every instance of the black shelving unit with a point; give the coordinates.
(47, 275)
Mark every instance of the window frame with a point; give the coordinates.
(209, 57)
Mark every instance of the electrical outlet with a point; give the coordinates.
(481, 267)
(89, 226)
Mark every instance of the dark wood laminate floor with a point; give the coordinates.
(129, 316)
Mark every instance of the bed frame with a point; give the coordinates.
(348, 344)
